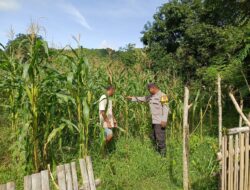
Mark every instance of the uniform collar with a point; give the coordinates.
(158, 93)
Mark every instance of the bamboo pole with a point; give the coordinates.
(220, 111)
(236, 162)
(220, 130)
(222, 164)
(201, 118)
(225, 177)
(185, 141)
(231, 162)
(237, 130)
(238, 109)
(241, 107)
(246, 161)
(242, 166)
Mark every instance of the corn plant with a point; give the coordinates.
(53, 99)
(11, 84)
(32, 71)
(78, 91)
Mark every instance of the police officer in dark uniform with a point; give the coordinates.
(159, 110)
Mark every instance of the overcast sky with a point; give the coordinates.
(101, 23)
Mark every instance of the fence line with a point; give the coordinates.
(235, 159)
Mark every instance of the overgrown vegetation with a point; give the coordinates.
(49, 97)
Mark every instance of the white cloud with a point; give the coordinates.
(9, 5)
(78, 17)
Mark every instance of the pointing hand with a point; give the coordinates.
(129, 97)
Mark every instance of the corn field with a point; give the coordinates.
(50, 98)
(50, 94)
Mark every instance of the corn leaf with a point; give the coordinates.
(53, 135)
(70, 124)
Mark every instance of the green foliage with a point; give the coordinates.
(34, 93)
(219, 12)
(50, 96)
(52, 109)
(128, 55)
(199, 39)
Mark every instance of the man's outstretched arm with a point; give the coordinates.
(138, 99)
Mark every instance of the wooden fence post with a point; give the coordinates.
(90, 173)
(220, 112)
(185, 141)
(239, 110)
(11, 186)
(241, 107)
(220, 129)
(84, 173)
(8, 186)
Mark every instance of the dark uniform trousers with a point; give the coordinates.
(159, 137)
(159, 113)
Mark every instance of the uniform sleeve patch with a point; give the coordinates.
(164, 99)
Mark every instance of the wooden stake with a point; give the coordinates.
(236, 162)
(242, 156)
(238, 109)
(237, 130)
(201, 121)
(220, 130)
(185, 141)
(222, 163)
(241, 107)
(220, 111)
(231, 162)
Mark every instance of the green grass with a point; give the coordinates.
(8, 169)
(6, 173)
(132, 163)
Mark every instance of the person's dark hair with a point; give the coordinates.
(152, 85)
(110, 87)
